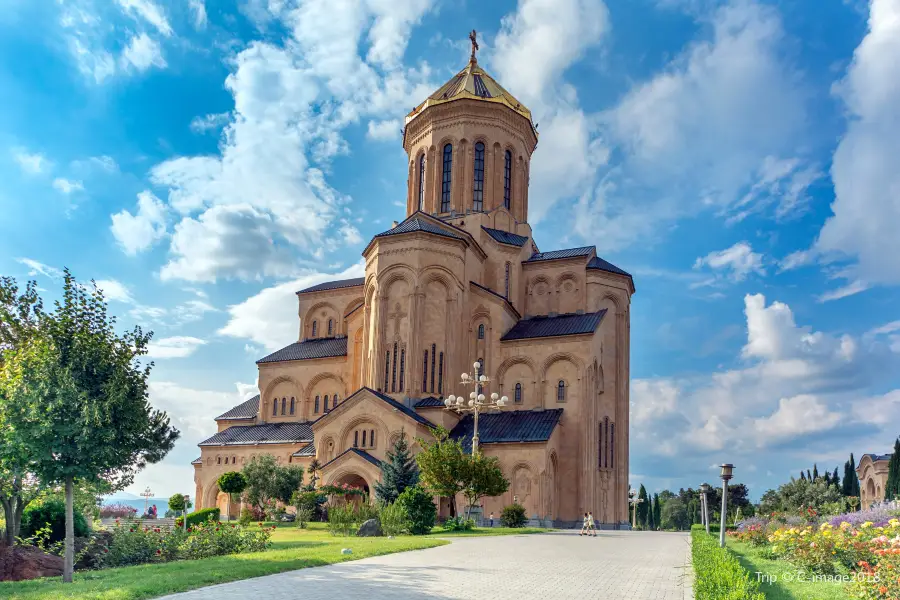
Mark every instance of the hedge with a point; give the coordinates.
(199, 516)
(718, 575)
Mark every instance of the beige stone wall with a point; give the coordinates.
(873, 477)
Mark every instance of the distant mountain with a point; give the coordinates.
(122, 496)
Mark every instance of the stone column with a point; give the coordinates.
(437, 164)
(489, 178)
(458, 178)
(412, 197)
(414, 360)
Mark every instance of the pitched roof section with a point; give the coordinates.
(515, 426)
(307, 450)
(505, 237)
(418, 223)
(399, 406)
(538, 327)
(334, 285)
(493, 293)
(308, 349)
(197, 461)
(266, 433)
(244, 410)
(430, 402)
(360, 453)
(557, 254)
(603, 265)
(878, 457)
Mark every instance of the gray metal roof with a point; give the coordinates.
(399, 406)
(603, 265)
(244, 410)
(505, 237)
(418, 223)
(334, 285)
(508, 427)
(361, 453)
(307, 450)
(308, 349)
(538, 327)
(197, 461)
(265, 433)
(429, 402)
(877, 457)
(567, 253)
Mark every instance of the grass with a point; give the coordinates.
(783, 584)
(291, 549)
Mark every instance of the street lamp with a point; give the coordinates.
(477, 401)
(187, 499)
(147, 494)
(704, 489)
(632, 497)
(727, 469)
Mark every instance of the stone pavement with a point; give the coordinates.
(618, 565)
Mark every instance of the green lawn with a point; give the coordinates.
(785, 584)
(438, 531)
(292, 548)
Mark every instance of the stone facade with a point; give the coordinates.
(873, 475)
(459, 280)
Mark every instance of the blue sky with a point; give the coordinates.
(203, 160)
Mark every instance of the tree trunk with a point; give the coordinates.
(69, 559)
(9, 534)
(453, 506)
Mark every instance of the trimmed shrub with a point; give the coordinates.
(51, 513)
(718, 575)
(200, 516)
(459, 524)
(513, 516)
(420, 509)
(393, 519)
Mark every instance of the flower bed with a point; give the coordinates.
(717, 573)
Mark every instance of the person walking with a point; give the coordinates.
(492, 518)
(591, 529)
(584, 525)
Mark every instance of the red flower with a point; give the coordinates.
(158, 551)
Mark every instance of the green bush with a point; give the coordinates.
(246, 517)
(176, 502)
(459, 524)
(51, 513)
(342, 520)
(513, 516)
(420, 509)
(393, 519)
(200, 516)
(718, 575)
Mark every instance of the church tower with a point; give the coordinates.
(469, 146)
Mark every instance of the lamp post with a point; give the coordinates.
(727, 469)
(633, 498)
(184, 512)
(704, 489)
(477, 400)
(147, 494)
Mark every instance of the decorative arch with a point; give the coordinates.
(515, 360)
(319, 377)
(562, 356)
(525, 484)
(441, 274)
(317, 306)
(353, 305)
(210, 495)
(327, 452)
(265, 406)
(347, 429)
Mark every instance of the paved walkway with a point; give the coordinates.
(619, 565)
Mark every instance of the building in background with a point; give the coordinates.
(873, 474)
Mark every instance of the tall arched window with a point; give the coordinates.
(356, 439)
(481, 331)
(274, 407)
(325, 403)
(561, 391)
(315, 328)
(364, 438)
(425, 373)
(446, 178)
(387, 370)
(441, 375)
(478, 183)
(507, 179)
(283, 406)
(518, 396)
(372, 438)
(330, 327)
(433, 359)
(316, 408)
(402, 367)
(506, 295)
(334, 401)
(394, 371)
(292, 405)
(422, 182)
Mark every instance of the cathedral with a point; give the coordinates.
(460, 280)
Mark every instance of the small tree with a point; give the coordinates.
(267, 481)
(442, 466)
(483, 477)
(231, 483)
(314, 467)
(892, 488)
(420, 509)
(675, 515)
(398, 472)
(643, 508)
(657, 514)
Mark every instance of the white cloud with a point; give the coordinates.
(866, 164)
(198, 8)
(31, 163)
(67, 186)
(852, 288)
(780, 181)
(211, 122)
(174, 347)
(738, 261)
(149, 12)
(138, 232)
(39, 268)
(115, 291)
(142, 52)
(269, 318)
(384, 131)
(797, 416)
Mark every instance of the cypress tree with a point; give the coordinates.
(643, 507)
(827, 478)
(854, 480)
(657, 513)
(892, 488)
(808, 475)
(802, 475)
(836, 479)
(815, 472)
(398, 472)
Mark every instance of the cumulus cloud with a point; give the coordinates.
(198, 8)
(141, 53)
(174, 347)
(139, 231)
(149, 12)
(737, 262)
(384, 131)
(31, 163)
(67, 186)
(115, 291)
(210, 122)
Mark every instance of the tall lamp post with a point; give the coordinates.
(633, 498)
(147, 494)
(704, 502)
(727, 469)
(477, 402)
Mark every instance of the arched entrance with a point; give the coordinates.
(357, 481)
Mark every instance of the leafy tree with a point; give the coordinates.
(797, 495)
(267, 481)
(176, 503)
(313, 469)
(420, 509)
(656, 511)
(75, 395)
(51, 513)
(232, 483)
(398, 472)
(483, 477)
(442, 466)
(892, 487)
(675, 515)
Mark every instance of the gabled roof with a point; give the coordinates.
(505, 237)
(417, 222)
(307, 450)
(334, 285)
(244, 410)
(197, 461)
(603, 265)
(569, 324)
(429, 402)
(393, 404)
(308, 349)
(360, 453)
(877, 457)
(515, 426)
(493, 293)
(264, 433)
(558, 254)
